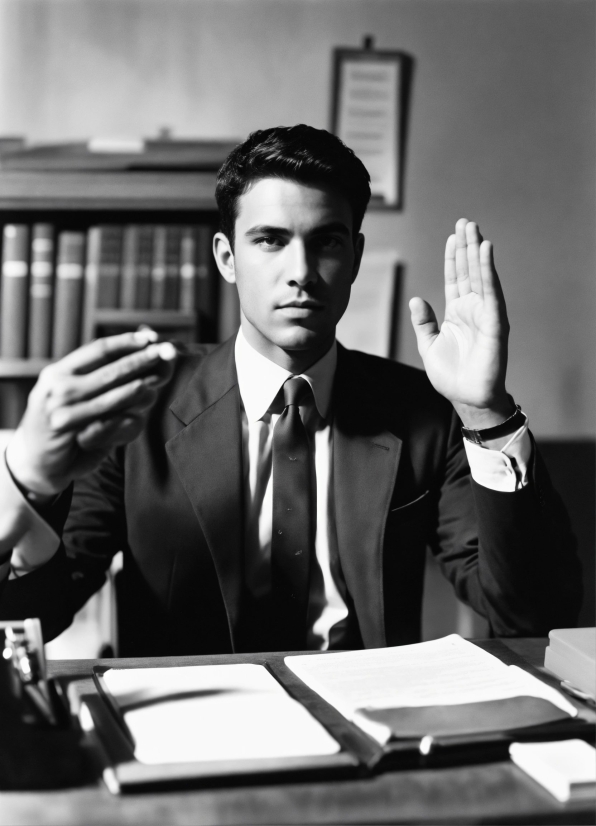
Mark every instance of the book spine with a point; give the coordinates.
(41, 291)
(110, 259)
(188, 270)
(14, 290)
(130, 257)
(142, 300)
(172, 276)
(158, 269)
(91, 280)
(207, 283)
(69, 293)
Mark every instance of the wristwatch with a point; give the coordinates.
(506, 428)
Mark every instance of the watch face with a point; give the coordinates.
(472, 435)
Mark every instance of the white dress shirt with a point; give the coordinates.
(259, 382)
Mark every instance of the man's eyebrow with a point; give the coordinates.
(266, 229)
(323, 229)
(333, 226)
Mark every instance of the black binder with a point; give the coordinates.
(359, 753)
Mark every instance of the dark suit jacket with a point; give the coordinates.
(173, 502)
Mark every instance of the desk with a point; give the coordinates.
(490, 793)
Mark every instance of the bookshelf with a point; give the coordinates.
(42, 194)
(79, 199)
(22, 368)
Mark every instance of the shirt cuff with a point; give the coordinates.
(31, 538)
(505, 470)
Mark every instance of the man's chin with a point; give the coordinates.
(302, 339)
(290, 338)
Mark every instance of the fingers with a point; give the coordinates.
(451, 288)
(461, 258)
(140, 393)
(491, 285)
(102, 350)
(463, 270)
(107, 433)
(94, 398)
(123, 370)
(425, 324)
(473, 241)
(154, 364)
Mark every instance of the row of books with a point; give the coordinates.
(132, 267)
(150, 267)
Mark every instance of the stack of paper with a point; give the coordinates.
(215, 712)
(567, 768)
(373, 687)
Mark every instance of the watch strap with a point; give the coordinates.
(506, 428)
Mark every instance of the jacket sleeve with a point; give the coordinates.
(94, 530)
(510, 556)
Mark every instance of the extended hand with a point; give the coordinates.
(466, 359)
(83, 405)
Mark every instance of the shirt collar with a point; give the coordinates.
(260, 379)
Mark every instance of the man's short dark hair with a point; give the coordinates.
(297, 153)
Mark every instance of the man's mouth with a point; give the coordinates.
(308, 304)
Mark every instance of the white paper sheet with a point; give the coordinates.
(369, 120)
(366, 324)
(566, 768)
(447, 671)
(238, 712)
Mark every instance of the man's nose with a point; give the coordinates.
(301, 266)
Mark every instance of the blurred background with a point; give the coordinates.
(500, 130)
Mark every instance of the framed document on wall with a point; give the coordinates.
(369, 112)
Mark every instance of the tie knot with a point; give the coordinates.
(297, 391)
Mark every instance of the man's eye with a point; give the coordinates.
(268, 242)
(328, 242)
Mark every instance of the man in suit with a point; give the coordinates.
(278, 491)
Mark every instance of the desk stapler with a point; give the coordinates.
(27, 697)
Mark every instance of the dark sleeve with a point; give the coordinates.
(94, 530)
(510, 556)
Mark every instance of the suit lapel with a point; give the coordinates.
(365, 461)
(207, 455)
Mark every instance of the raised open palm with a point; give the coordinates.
(466, 358)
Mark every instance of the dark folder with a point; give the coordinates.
(428, 736)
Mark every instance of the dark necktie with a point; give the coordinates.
(292, 538)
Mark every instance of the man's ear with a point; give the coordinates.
(358, 250)
(224, 257)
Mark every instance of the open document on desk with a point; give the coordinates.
(438, 689)
(216, 712)
(188, 725)
(355, 713)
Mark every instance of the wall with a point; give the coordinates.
(501, 131)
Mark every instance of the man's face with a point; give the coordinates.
(294, 262)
